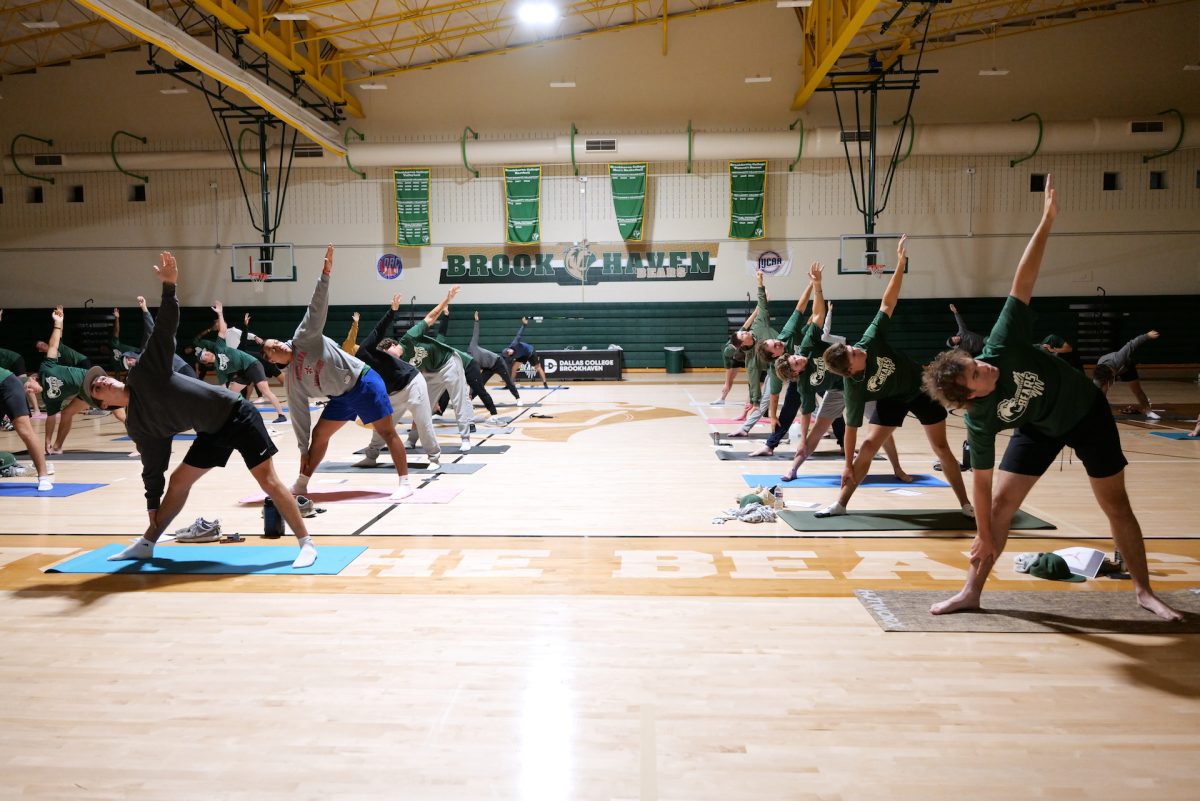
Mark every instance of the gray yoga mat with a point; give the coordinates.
(86, 456)
(901, 520)
(450, 468)
(1040, 612)
(782, 454)
(480, 449)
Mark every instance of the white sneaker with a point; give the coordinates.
(200, 530)
(1153, 416)
(405, 490)
(465, 447)
(434, 463)
(367, 461)
(968, 510)
(45, 484)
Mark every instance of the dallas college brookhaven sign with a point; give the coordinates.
(582, 263)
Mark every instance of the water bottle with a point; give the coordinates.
(272, 520)
(966, 456)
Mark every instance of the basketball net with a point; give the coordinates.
(258, 281)
(876, 269)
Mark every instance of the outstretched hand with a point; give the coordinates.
(1050, 210)
(328, 268)
(354, 317)
(396, 301)
(815, 271)
(57, 315)
(524, 321)
(168, 271)
(901, 250)
(953, 309)
(218, 307)
(246, 320)
(760, 277)
(476, 316)
(116, 313)
(141, 302)
(453, 291)
(1152, 334)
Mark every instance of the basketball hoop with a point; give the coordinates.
(258, 281)
(876, 269)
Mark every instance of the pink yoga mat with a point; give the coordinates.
(729, 421)
(373, 495)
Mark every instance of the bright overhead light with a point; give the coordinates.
(994, 71)
(292, 17)
(1191, 67)
(41, 26)
(372, 86)
(174, 90)
(537, 13)
(759, 79)
(793, 4)
(562, 84)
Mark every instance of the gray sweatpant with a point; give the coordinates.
(452, 380)
(414, 400)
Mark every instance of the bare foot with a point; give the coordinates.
(903, 477)
(1151, 602)
(963, 601)
(54, 451)
(763, 451)
(788, 476)
(738, 433)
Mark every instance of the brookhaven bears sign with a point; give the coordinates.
(580, 263)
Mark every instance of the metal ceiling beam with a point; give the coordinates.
(827, 29)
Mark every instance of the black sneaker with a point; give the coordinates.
(280, 419)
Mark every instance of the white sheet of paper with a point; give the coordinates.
(902, 491)
(1082, 561)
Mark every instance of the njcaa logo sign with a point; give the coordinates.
(580, 263)
(1029, 387)
(884, 367)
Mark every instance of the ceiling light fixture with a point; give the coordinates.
(562, 84)
(793, 4)
(537, 13)
(758, 79)
(993, 71)
(41, 26)
(292, 16)
(372, 87)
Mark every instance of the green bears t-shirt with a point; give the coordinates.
(60, 383)
(69, 356)
(791, 336)
(117, 348)
(227, 360)
(1035, 388)
(732, 356)
(889, 373)
(761, 329)
(423, 351)
(817, 378)
(8, 358)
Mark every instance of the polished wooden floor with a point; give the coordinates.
(574, 626)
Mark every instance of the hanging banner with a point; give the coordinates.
(629, 198)
(586, 263)
(412, 207)
(747, 190)
(522, 201)
(774, 259)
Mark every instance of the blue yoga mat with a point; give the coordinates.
(27, 490)
(271, 409)
(1175, 435)
(177, 438)
(835, 481)
(215, 559)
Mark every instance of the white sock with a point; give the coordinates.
(300, 485)
(308, 553)
(45, 484)
(968, 510)
(405, 490)
(140, 550)
(831, 510)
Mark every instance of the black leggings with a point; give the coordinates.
(475, 383)
(787, 415)
(504, 370)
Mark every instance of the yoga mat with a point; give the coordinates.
(372, 495)
(449, 468)
(729, 421)
(510, 404)
(88, 456)
(1175, 435)
(30, 490)
(535, 388)
(271, 409)
(833, 481)
(783, 453)
(214, 559)
(177, 438)
(719, 437)
(900, 520)
(483, 449)
(1065, 611)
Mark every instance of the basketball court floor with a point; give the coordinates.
(570, 623)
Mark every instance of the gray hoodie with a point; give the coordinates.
(319, 368)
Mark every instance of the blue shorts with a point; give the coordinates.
(367, 400)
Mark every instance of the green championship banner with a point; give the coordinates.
(522, 200)
(412, 207)
(747, 190)
(583, 263)
(629, 198)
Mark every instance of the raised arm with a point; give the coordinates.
(147, 322)
(56, 333)
(832, 339)
(383, 326)
(815, 273)
(116, 332)
(520, 333)
(219, 308)
(349, 345)
(474, 336)
(750, 320)
(437, 310)
(312, 327)
(891, 295)
(1031, 260)
(160, 349)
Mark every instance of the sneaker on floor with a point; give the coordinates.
(465, 447)
(518, 402)
(367, 461)
(937, 465)
(280, 419)
(402, 492)
(45, 484)
(1153, 416)
(200, 530)
(968, 510)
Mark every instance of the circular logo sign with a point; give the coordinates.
(389, 266)
(770, 262)
(550, 365)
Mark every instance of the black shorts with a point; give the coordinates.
(1094, 438)
(1129, 374)
(243, 432)
(250, 376)
(12, 398)
(533, 358)
(891, 411)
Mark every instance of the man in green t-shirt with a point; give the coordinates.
(62, 390)
(875, 371)
(745, 340)
(733, 357)
(236, 369)
(1015, 384)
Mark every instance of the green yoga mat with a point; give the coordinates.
(385, 465)
(899, 520)
(1036, 612)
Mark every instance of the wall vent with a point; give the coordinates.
(600, 145)
(1146, 126)
(856, 136)
(308, 151)
(48, 160)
